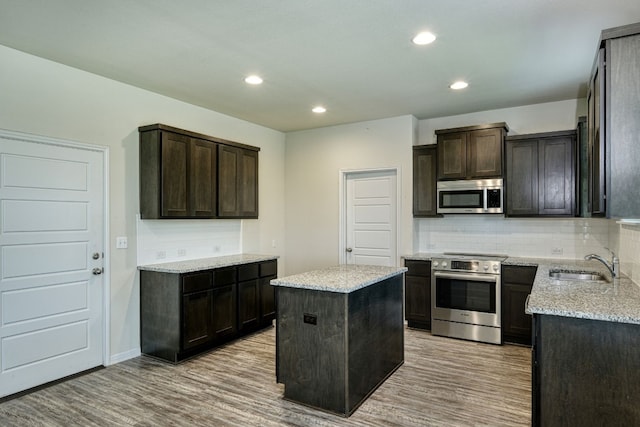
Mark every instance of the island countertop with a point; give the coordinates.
(188, 266)
(341, 278)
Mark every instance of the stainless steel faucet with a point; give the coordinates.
(613, 267)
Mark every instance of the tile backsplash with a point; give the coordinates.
(176, 240)
(526, 237)
(629, 248)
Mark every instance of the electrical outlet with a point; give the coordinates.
(121, 242)
(182, 252)
(161, 255)
(557, 251)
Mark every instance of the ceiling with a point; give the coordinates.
(354, 57)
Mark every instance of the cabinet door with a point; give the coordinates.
(203, 178)
(249, 184)
(174, 165)
(418, 294)
(224, 311)
(596, 140)
(452, 155)
(516, 324)
(228, 188)
(424, 180)
(197, 326)
(522, 178)
(484, 153)
(267, 301)
(248, 307)
(556, 182)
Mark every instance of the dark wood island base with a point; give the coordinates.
(334, 348)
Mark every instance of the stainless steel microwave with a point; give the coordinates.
(470, 196)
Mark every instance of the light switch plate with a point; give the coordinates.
(121, 242)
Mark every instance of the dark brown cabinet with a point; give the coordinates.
(585, 372)
(472, 152)
(182, 315)
(418, 294)
(424, 180)
(540, 174)
(613, 127)
(517, 282)
(238, 183)
(184, 174)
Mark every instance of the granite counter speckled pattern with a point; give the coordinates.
(191, 265)
(340, 278)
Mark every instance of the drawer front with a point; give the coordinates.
(518, 274)
(269, 268)
(196, 282)
(224, 276)
(418, 268)
(247, 272)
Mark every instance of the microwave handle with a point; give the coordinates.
(485, 195)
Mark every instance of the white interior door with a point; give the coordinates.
(51, 241)
(371, 211)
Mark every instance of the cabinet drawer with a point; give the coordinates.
(247, 272)
(196, 282)
(269, 268)
(518, 274)
(224, 276)
(418, 268)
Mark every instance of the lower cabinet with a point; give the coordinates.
(418, 294)
(517, 282)
(183, 314)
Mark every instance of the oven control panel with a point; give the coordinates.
(474, 266)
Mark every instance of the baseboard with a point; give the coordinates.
(121, 357)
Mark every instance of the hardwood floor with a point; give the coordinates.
(443, 382)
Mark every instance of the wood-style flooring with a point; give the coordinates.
(443, 382)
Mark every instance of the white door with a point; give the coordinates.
(371, 210)
(51, 240)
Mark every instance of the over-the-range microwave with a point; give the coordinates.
(470, 196)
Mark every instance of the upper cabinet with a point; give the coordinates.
(540, 174)
(471, 152)
(424, 180)
(238, 183)
(613, 126)
(184, 174)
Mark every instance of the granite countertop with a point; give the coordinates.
(188, 266)
(608, 301)
(341, 278)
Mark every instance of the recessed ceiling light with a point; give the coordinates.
(253, 80)
(458, 85)
(319, 109)
(423, 38)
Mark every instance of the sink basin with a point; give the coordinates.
(576, 275)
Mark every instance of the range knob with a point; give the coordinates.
(444, 263)
(436, 263)
(486, 267)
(495, 267)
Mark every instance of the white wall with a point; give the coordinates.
(314, 159)
(45, 98)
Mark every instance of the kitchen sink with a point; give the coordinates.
(576, 275)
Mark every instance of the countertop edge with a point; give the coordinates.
(198, 264)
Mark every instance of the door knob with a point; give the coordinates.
(97, 271)
(96, 255)
(349, 250)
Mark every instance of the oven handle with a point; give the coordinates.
(467, 276)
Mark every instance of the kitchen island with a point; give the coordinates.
(339, 334)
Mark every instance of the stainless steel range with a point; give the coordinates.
(465, 296)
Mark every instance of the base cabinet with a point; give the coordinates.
(184, 314)
(585, 372)
(517, 282)
(418, 294)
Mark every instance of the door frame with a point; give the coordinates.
(106, 285)
(342, 235)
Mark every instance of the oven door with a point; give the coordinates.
(466, 298)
